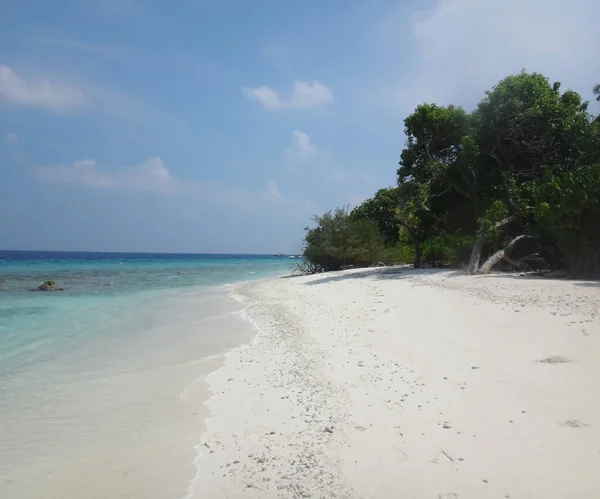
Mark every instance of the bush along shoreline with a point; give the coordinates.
(512, 185)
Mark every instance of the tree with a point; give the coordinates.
(521, 171)
(567, 208)
(339, 241)
(474, 166)
(596, 91)
(525, 126)
(383, 209)
(524, 123)
(395, 209)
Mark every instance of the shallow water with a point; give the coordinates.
(101, 385)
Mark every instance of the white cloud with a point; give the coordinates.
(305, 95)
(151, 175)
(12, 138)
(302, 147)
(271, 193)
(39, 92)
(460, 48)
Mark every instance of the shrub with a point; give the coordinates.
(339, 241)
(448, 249)
(398, 254)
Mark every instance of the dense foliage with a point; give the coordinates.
(515, 182)
(340, 240)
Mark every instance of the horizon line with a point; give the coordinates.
(145, 252)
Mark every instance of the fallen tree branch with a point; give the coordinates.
(534, 257)
(501, 254)
(473, 267)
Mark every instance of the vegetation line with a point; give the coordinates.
(514, 184)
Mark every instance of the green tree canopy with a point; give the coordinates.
(521, 166)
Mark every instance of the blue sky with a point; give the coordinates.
(223, 126)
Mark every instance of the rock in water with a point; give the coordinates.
(49, 286)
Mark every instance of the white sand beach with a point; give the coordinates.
(390, 383)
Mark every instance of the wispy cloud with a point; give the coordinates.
(12, 138)
(109, 51)
(302, 148)
(305, 95)
(460, 48)
(272, 193)
(151, 175)
(52, 95)
(323, 164)
(39, 92)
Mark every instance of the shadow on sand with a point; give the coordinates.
(384, 273)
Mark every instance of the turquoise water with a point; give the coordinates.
(101, 391)
(101, 293)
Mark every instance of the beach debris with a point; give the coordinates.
(48, 286)
(448, 456)
(555, 359)
(573, 423)
(446, 425)
(328, 429)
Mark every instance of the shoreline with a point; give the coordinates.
(297, 411)
(200, 447)
(123, 414)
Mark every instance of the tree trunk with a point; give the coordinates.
(416, 244)
(418, 252)
(473, 267)
(500, 254)
(491, 261)
(476, 252)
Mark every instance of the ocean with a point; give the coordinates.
(101, 384)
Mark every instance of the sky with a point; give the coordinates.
(223, 126)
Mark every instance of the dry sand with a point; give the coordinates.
(391, 383)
